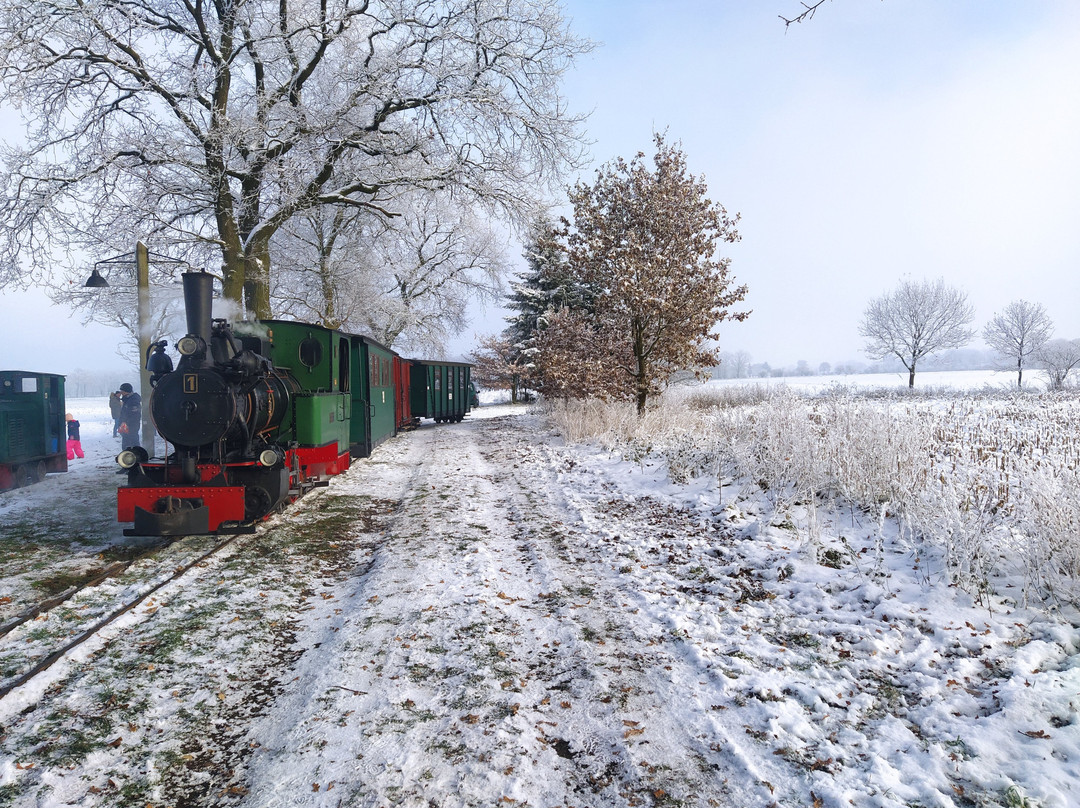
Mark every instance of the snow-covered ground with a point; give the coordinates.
(924, 380)
(481, 615)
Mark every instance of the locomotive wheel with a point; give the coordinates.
(257, 503)
(24, 476)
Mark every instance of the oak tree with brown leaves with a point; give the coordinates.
(645, 239)
(498, 364)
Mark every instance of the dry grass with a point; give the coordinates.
(993, 478)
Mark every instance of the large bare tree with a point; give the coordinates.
(215, 123)
(1017, 333)
(916, 319)
(644, 238)
(406, 281)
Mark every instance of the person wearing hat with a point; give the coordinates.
(74, 443)
(116, 403)
(130, 416)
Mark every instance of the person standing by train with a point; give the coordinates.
(130, 416)
(74, 442)
(116, 403)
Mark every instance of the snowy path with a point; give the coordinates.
(492, 652)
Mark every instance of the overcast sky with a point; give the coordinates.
(927, 138)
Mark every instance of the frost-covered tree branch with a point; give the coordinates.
(213, 125)
(406, 282)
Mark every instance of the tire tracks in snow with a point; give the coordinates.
(486, 650)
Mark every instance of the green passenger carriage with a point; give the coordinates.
(373, 395)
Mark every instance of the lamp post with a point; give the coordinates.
(142, 314)
(142, 311)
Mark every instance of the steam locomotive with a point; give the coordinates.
(255, 415)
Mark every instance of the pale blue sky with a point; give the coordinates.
(926, 137)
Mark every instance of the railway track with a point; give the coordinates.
(33, 611)
(113, 570)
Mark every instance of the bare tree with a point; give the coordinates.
(214, 124)
(646, 240)
(407, 281)
(1056, 358)
(742, 364)
(1017, 333)
(915, 320)
(326, 273)
(435, 259)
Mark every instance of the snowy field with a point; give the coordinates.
(924, 380)
(486, 615)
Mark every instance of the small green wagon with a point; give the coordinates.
(440, 390)
(33, 433)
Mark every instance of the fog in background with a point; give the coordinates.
(923, 138)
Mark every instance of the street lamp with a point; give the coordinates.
(142, 282)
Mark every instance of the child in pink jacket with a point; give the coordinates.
(74, 444)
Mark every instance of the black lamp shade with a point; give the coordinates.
(95, 281)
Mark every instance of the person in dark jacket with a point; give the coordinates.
(116, 403)
(130, 416)
(74, 442)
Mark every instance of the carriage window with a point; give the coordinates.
(373, 366)
(29, 384)
(386, 373)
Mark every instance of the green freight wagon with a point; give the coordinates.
(33, 432)
(440, 390)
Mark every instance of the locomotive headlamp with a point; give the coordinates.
(268, 457)
(127, 459)
(189, 345)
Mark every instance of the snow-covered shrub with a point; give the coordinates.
(707, 399)
(1046, 531)
(611, 424)
(992, 479)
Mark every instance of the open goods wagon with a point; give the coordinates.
(441, 390)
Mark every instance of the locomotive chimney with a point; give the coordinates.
(198, 301)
